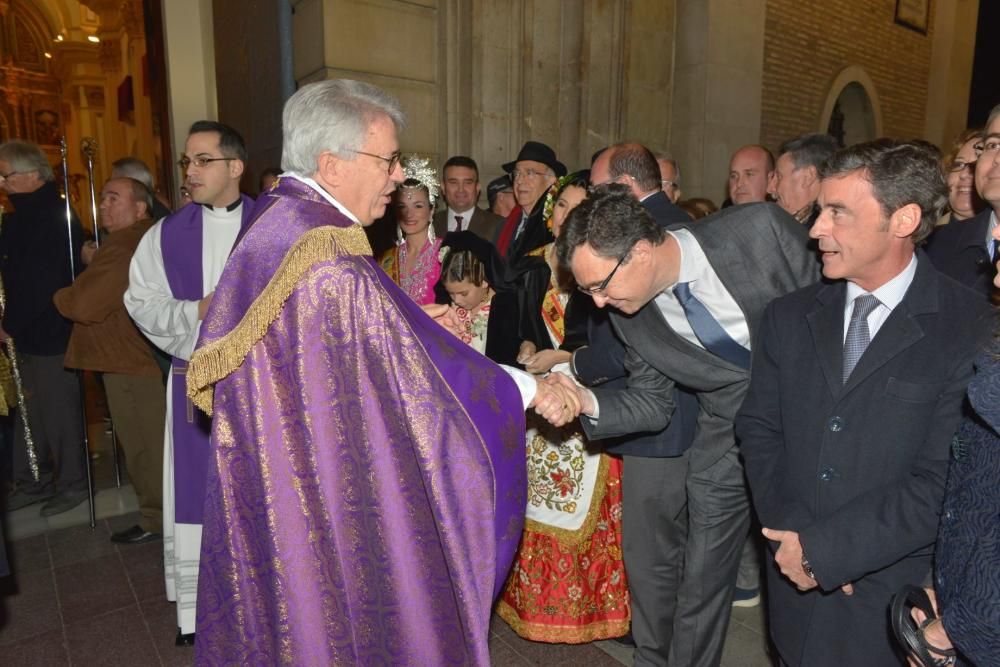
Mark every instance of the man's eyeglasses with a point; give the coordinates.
(668, 184)
(4, 177)
(527, 173)
(200, 162)
(393, 159)
(988, 146)
(598, 290)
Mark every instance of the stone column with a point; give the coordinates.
(717, 88)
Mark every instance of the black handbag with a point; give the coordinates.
(909, 634)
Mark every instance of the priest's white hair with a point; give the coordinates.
(334, 116)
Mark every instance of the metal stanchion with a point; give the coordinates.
(83, 400)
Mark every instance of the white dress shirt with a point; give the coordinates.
(705, 285)
(453, 225)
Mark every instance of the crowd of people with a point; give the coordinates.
(595, 407)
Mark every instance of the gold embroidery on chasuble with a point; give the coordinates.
(222, 356)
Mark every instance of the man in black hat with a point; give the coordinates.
(533, 173)
(500, 195)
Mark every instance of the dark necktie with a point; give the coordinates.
(858, 335)
(458, 223)
(708, 330)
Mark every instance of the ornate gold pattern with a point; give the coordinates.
(221, 357)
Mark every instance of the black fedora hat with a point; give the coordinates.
(538, 152)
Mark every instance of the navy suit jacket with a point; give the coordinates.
(857, 469)
(958, 250)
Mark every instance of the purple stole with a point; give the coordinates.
(181, 245)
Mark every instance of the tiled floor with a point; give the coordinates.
(78, 599)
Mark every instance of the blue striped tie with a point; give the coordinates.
(708, 330)
(858, 335)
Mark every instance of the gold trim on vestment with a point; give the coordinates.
(573, 539)
(221, 357)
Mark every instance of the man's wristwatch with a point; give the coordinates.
(807, 568)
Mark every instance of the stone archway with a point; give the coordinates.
(852, 112)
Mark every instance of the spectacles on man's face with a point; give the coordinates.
(988, 146)
(393, 159)
(527, 173)
(668, 184)
(200, 161)
(599, 289)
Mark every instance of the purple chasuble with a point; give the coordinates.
(367, 485)
(181, 245)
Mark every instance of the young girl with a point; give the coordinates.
(472, 282)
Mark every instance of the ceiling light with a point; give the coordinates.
(59, 38)
(48, 55)
(93, 38)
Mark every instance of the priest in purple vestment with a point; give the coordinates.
(366, 488)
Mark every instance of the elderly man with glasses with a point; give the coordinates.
(35, 263)
(686, 302)
(171, 281)
(532, 173)
(367, 484)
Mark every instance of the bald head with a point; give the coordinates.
(124, 201)
(750, 170)
(633, 165)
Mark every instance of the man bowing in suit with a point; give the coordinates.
(857, 388)
(686, 302)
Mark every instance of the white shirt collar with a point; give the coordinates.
(326, 195)
(891, 293)
(466, 215)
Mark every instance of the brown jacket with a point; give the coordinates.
(104, 337)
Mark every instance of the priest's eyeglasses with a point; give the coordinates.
(199, 161)
(599, 289)
(393, 159)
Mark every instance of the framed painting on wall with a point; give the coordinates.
(913, 14)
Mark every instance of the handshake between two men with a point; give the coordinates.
(556, 397)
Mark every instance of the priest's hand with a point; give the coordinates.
(444, 315)
(555, 402)
(87, 252)
(587, 406)
(788, 558)
(204, 304)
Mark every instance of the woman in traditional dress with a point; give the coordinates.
(413, 262)
(568, 581)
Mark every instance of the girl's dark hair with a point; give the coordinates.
(462, 265)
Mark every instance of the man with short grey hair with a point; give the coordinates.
(133, 167)
(367, 479)
(795, 184)
(35, 262)
(670, 175)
